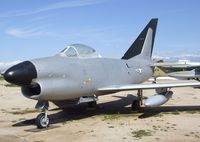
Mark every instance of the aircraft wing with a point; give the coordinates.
(148, 86)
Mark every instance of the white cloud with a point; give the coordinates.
(33, 32)
(21, 33)
(84, 33)
(54, 6)
(68, 4)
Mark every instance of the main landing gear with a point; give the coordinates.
(92, 104)
(136, 104)
(42, 120)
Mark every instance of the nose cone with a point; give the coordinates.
(21, 74)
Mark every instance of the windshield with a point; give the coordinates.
(79, 50)
(71, 52)
(83, 49)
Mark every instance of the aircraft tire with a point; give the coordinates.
(92, 104)
(41, 122)
(135, 106)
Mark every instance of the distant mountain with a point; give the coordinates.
(5, 65)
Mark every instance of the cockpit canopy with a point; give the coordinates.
(79, 50)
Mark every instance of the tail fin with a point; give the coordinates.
(144, 43)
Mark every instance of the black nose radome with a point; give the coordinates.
(21, 74)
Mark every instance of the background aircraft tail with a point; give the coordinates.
(143, 45)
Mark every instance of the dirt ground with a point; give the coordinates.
(176, 121)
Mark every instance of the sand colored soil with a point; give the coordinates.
(176, 121)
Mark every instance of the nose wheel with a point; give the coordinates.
(42, 120)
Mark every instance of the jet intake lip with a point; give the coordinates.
(21, 74)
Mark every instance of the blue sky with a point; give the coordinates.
(34, 28)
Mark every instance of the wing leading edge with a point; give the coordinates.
(148, 86)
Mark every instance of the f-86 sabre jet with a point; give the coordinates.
(79, 73)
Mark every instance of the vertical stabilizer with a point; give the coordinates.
(144, 43)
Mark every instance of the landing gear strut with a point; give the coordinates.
(42, 120)
(136, 104)
(154, 80)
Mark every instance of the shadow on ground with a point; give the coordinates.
(120, 106)
(150, 112)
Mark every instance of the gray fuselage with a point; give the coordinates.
(64, 78)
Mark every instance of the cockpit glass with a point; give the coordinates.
(71, 52)
(79, 50)
(63, 50)
(83, 49)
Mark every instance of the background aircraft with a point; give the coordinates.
(182, 69)
(78, 73)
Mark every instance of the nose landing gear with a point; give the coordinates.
(42, 120)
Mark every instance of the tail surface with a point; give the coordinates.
(144, 43)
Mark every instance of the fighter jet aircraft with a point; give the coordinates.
(183, 69)
(79, 73)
